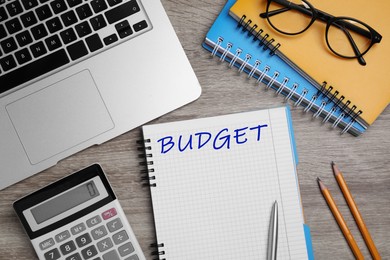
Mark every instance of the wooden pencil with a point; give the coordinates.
(340, 220)
(355, 212)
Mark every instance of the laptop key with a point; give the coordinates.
(84, 11)
(39, 31)
(28, 19)
(123, 29)
(43, 12)
(122, 11)
(33, 70)
(94, 43)
(23, 56)
(83, 29)
(114, 2)
(28, 4)
(53, 42)
(38, 49)
(24, 38)
(68, 36)
(140, 26)
(73, 3)
(9, 45)
(77, 50)
(69, 18)
(98, 5)
(98, 22)
(110, 39)
(14, 8)
(8, 63)
(54, 25)
(13, 25)
(58, 6)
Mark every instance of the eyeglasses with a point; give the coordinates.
(345, 36)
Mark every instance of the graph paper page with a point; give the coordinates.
(216, 180)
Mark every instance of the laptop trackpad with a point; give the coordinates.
(60, 116)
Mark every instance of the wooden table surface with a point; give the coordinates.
(364, 160)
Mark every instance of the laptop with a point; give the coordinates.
(77, 73)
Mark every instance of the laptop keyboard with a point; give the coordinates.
(41, 36)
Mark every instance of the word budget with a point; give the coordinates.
(222, 139)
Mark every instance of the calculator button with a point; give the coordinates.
(105, 244)
(89, 252)
(120, 237)
(114, 225)
(74, 257)
(99, 232)
(112, 255)
(83, 240)
(78, 228)
(133, 257)
(46, 244)
(62, 236)
(93, 221)
(126, 249)
(68, 247)
(52, 254)
(109, 213)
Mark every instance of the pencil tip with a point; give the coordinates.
(320, 184)
(335, 169)
(332, 163)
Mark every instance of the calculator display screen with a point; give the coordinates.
(65, 202)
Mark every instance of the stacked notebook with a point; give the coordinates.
(214, 180)
(340, 91)
(365, 87)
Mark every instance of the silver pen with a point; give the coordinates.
(273, 233)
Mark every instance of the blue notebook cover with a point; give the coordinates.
(234, 44)
(306, 228)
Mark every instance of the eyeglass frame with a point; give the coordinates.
(330, 20)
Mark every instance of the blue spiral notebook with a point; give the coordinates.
(235, 44)
(213, 182)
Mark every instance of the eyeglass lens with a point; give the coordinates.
(342, 39)
(289, 20)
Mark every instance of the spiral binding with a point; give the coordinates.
(149, 180)
(258, 35)
(159, 251)
(324, 93)
(146, 178)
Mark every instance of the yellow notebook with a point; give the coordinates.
(366, 87)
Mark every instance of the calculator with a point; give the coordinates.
(78, 218)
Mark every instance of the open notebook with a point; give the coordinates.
(365, 87)
(214, 180)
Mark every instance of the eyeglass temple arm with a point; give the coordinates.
(355, 48)
(300, 8)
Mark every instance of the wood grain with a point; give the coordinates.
(363, 160)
